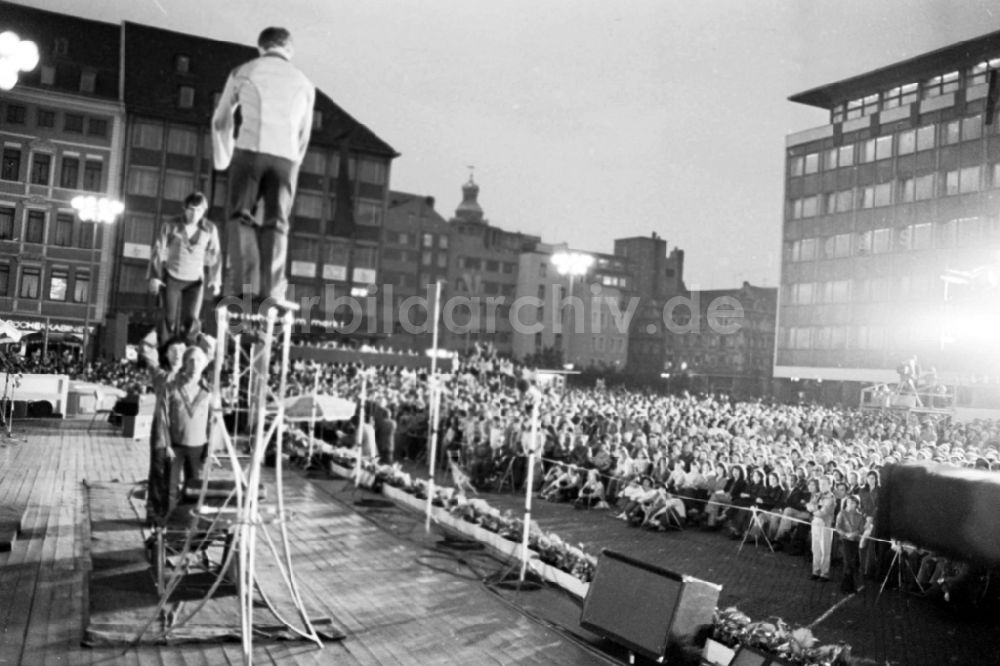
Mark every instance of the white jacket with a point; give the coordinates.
(276, 104)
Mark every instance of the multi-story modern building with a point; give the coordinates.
(722, 340)
(171, 84)
(655, 278)
(414, 255)
(899, 188)
(581, 319)
(482, 277)
(62, 132)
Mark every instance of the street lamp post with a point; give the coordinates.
(99, 210)
(16, 55)
(571, 264)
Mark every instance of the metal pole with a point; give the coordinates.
(528, 486)
(433, 405)
(361, 429)
(312, 421)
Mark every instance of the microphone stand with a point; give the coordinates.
(533, 395)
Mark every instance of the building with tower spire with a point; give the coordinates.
(482, 277)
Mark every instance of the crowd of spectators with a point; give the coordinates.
(120, 374)
(806, 477)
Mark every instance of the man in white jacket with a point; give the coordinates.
(276, 107)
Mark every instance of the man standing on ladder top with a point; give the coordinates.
(263, 157)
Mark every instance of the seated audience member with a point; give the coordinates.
(565, 486)
(718, 494)
(850, 526)
(666, 512)
(746, 500)
(794, 508)
(592, 492)
(766, 502)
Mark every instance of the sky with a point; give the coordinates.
(589, 120)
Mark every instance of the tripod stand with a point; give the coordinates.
(897, 560)
(756, 526)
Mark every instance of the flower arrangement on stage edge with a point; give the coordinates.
(794, 645)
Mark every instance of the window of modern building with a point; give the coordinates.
(883, 147)
(906, 142)
(842, 245)
(147, 135)
(509, 268)
(883, 194)
(442, 261)
(795, 209)
(925, 137)
(335, 258)
(88, 81)
(428, 240)
(829, 203)
(62, 230)
(810, 206)
(317, 118)
(31, 278)
(838, 291)
(947, 233)
(182, 141)
(921, 236)
(543, 269)
(845, 155)
(979, 73)
(177, 185)
(924, 187)
(951, 182)
(6, 222)
(81, 283)
(58, 282)
(867, 151)
(4, 280)
(182, 64)
(968, 230)
(969, 179)
(881, 240)
(812, 163)
(41, 169)
(492, 266)
(45, 118)
(806, 250)
(830, 159)
(93, 175)
(11, 168)
(951, 132)
(185, 97)
(47, 75)
(801, 337)
(365, 256)
(854, 109)
(16, 114)
(309, 205)
(864, 243)
(905, 190)
(972, 128)
(900, 95)
(143, 181)
(34, 227)
(426, 257)
(796, 165)
(940, 85)
(443, 242)
(73, 122)
(867, 196)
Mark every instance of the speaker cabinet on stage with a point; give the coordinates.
(646, 608)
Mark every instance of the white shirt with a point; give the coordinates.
(276, 104)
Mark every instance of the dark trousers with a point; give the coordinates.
(158, 488)
(190, 459)
(181, 305)
(257, 252)
(852, 564)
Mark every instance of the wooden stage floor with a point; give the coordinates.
(397, 601)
